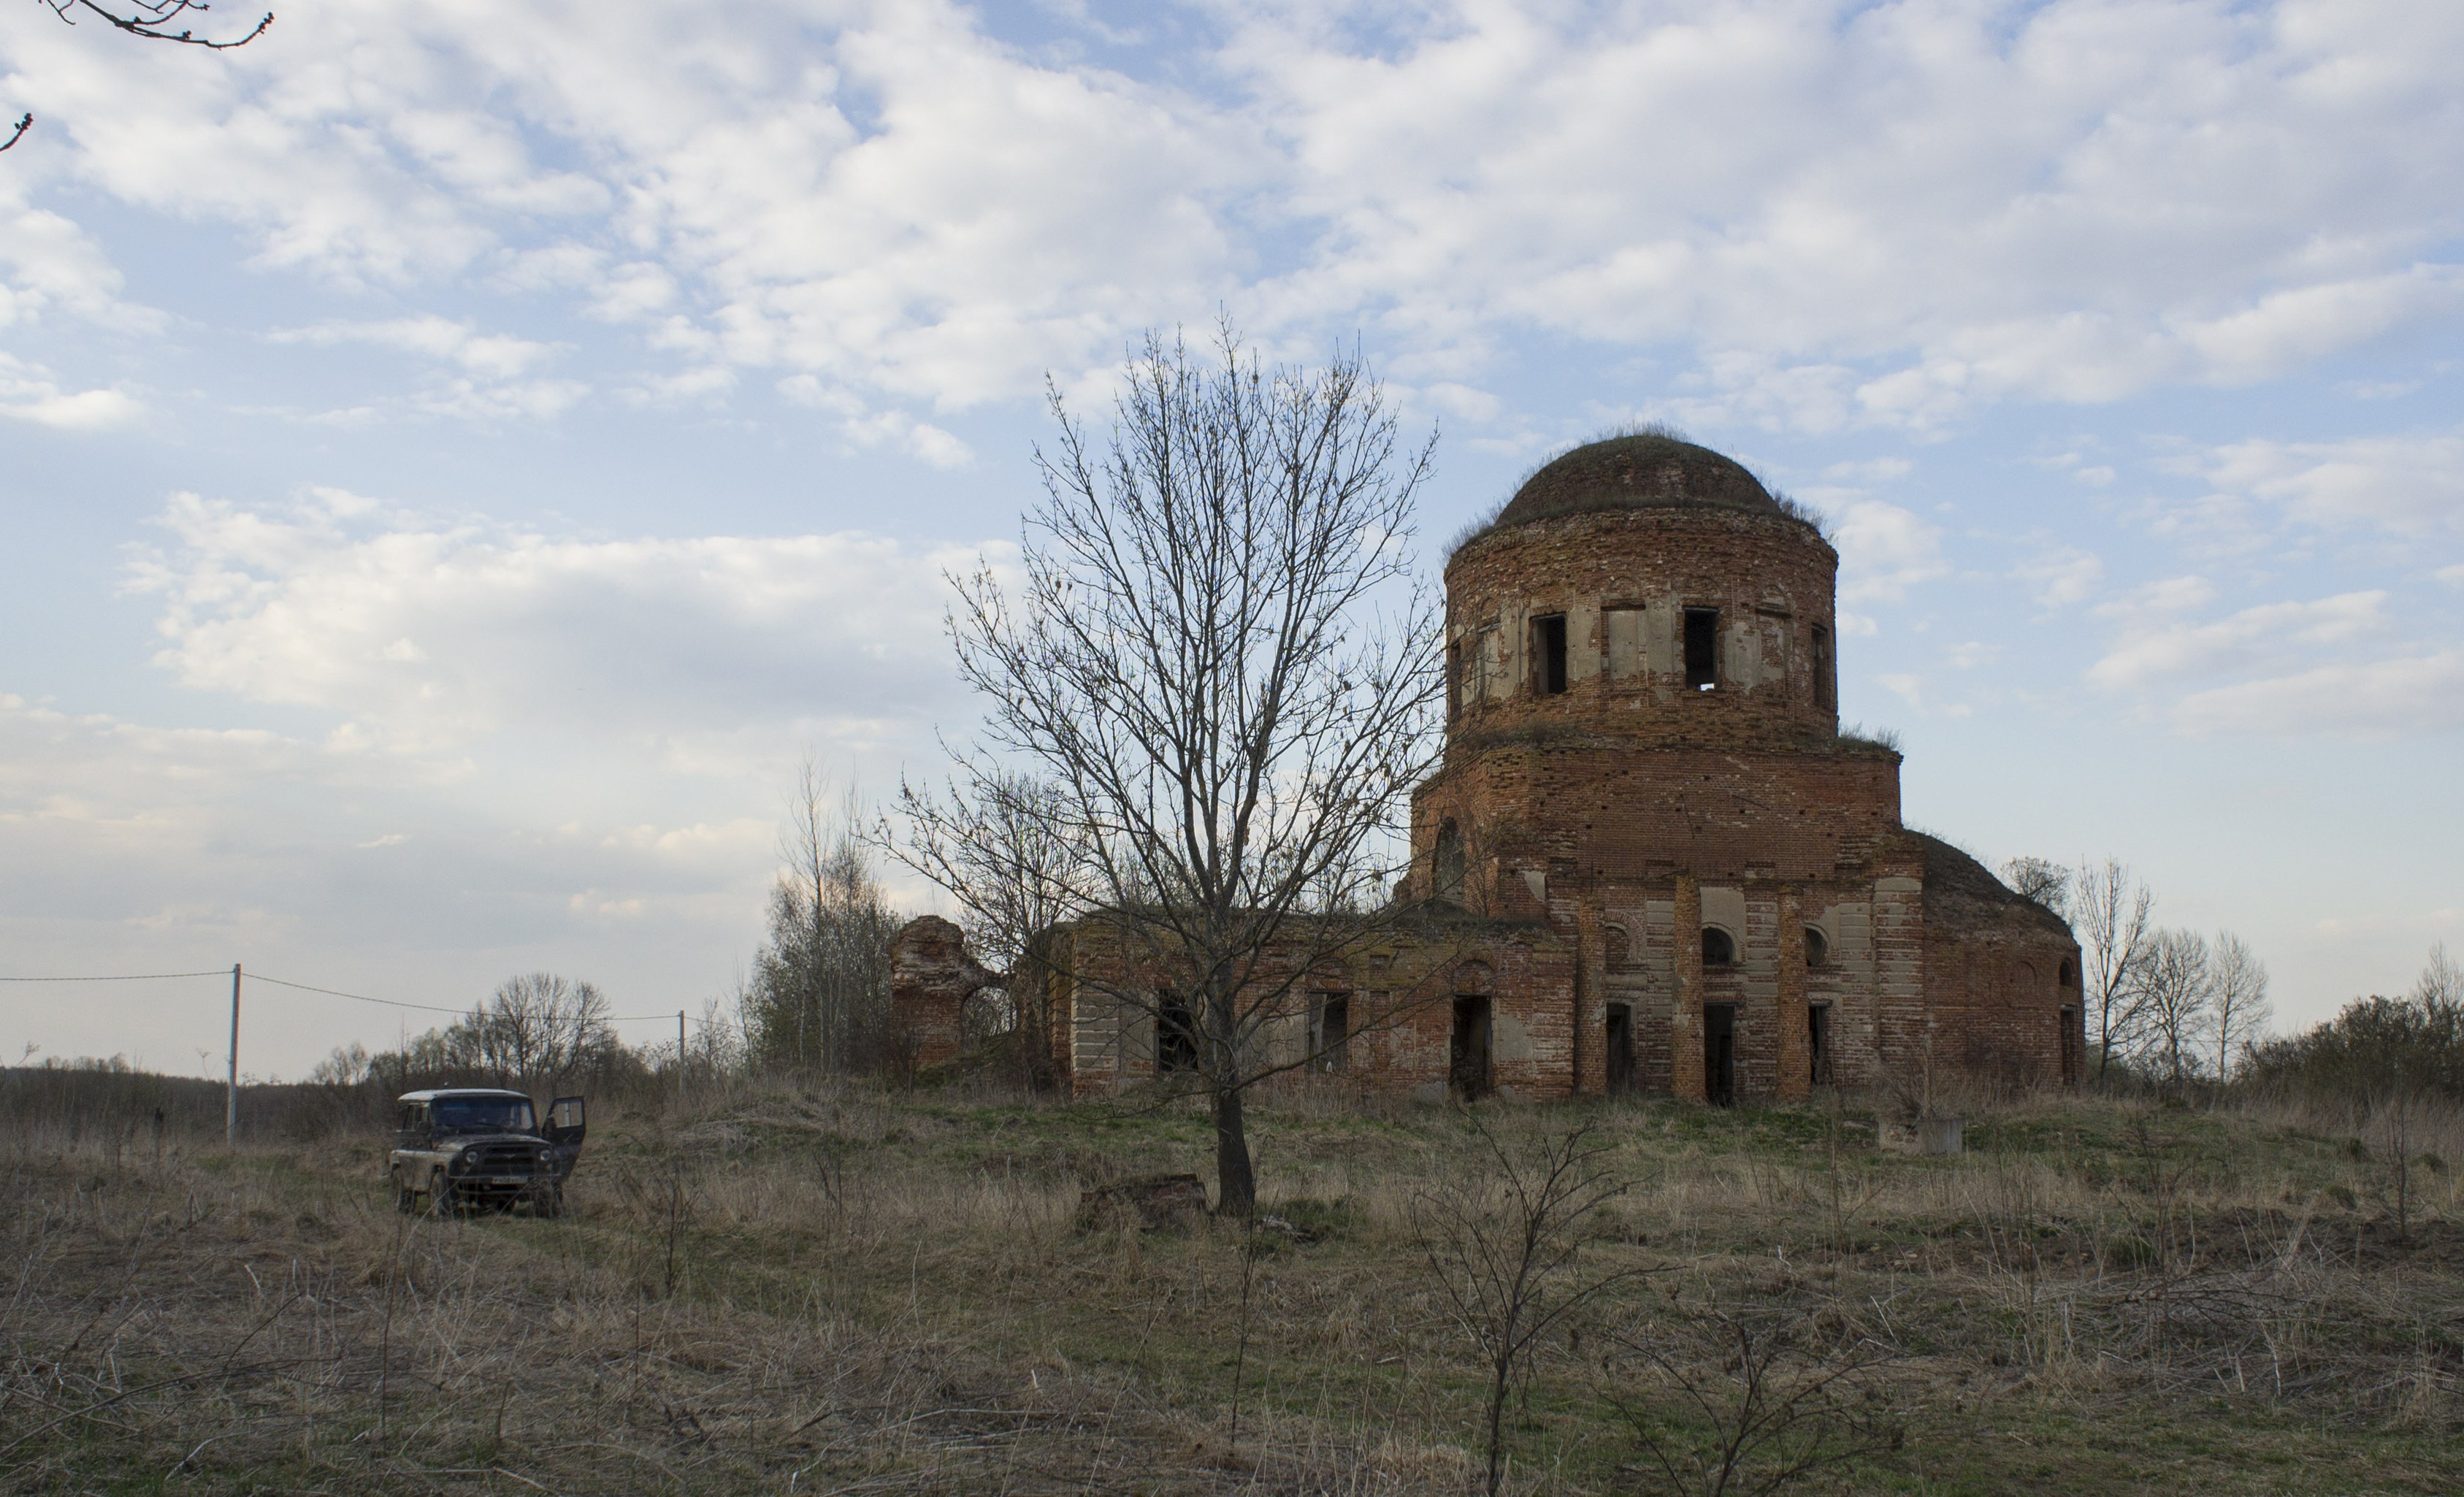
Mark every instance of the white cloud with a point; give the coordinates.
(1885, 550)
(1882, 216)
(2403, 696)
(2322, 666)
(2061, 575)
(2156, 647)
(2410, 485)
(867, 428)
(1876, 469)
(31, 393)
(493, 356)
(425, 637)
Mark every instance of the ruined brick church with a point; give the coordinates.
(1649, 861)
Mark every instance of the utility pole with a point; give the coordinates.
(680, 1055)
(230, 1089)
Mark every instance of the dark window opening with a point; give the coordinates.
(1548, 654)
(1176, 1036)
(1826, 685)
(1817, 1042)
(1720, 1054)
(1620, 1050)
(1702, 648)
(1454, 680)
(1447, 864)
(1331, 1031)
(1719, 947)
(1467, 1051)
(2069, 972)
(1817, 947)
(2071, 1044)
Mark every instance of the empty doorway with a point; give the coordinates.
(1620, 1050)
(1720, 1054)
(1467, 1056)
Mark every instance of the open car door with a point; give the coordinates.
(564, 1129)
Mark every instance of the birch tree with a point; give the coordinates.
(2110, 914)
(2239, 998)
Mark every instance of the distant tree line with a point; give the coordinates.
(536, 1032)
(2173, 1006)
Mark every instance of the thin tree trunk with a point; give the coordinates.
(1236, 1188)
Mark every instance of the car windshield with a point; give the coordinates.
(481, 1115)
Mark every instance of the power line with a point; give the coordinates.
(356, 998)
(126, 976)
(310, 987)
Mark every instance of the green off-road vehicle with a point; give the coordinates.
(478, 1147)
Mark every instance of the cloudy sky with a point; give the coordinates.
(457, 458)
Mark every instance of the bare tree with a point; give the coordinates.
(2441, 985)
(819, 997)
(1504, 1239)
(538, 1027)
(2047, 883)
(151, 19)
(2176, 995)
(2110, 916)
(2239, 996)
(1221, 666)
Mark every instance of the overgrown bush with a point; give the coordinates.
(2377, 1047)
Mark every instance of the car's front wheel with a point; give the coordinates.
(440, 1195)
(405, 1200)
(548, 1201)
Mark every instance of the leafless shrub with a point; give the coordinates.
(1505, 1239)
(1748, 1400)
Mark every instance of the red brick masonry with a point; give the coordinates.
(1649, 858)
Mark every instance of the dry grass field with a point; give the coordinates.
(852, 1290)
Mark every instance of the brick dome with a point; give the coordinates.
(1645, 470)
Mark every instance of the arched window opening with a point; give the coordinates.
(2070, 973)
(1447, 864)
(1719, 947)
(1817, 947)
(1620, 948)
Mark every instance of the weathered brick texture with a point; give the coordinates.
(1645, 808)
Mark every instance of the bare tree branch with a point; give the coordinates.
(153, 20)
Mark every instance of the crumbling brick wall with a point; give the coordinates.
(1617, 780)
(931, 976)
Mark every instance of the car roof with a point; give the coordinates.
(435, 1092)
